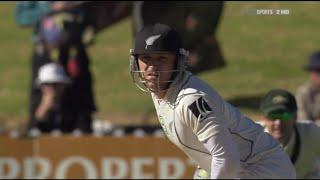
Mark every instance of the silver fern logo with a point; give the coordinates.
(151, 40)
(279, 100)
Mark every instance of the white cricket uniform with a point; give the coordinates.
(304, 149)
(192, 112)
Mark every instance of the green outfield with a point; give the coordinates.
(262, 52)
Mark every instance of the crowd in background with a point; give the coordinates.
(62, 32)
(61, 87)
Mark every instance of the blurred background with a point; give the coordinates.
(259, 52)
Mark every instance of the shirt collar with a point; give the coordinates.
(171, 96)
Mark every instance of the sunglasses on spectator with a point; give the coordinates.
(282, 116)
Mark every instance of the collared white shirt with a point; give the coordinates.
(192, 112)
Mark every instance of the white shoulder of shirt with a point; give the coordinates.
(189, 93)
(194, 89)
(261, 123)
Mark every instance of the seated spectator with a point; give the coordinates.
(52, 81)
(308, 94)
(299, 139)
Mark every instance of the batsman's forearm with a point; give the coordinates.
(225, 161)
(224, 168)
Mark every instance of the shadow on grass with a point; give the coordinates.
(251, 102)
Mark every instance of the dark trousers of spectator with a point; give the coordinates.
(78, 104)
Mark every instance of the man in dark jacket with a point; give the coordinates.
(195, 21)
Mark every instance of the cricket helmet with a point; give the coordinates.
(157, 38)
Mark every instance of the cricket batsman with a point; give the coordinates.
(213, 133)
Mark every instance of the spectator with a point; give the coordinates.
(308, 94)
(299, 139)
(52, 82)
(59, 30)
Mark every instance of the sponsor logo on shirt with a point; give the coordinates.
(200, 108)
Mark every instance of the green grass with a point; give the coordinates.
(262, 52)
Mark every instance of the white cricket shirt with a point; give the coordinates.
(192, 112)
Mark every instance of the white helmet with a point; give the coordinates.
(52, 73)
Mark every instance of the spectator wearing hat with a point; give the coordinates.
(52, 81)
(299, 139)
(308, 94)
(29, 14)
(55, 110)
(60, 35)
